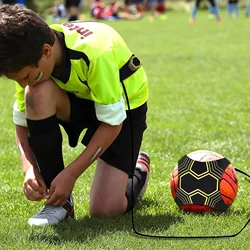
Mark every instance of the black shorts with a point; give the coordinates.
(119, 153)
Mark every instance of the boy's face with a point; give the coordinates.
(31, 75)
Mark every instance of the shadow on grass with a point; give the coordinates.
(88, 229)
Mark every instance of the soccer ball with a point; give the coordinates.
(204, 181)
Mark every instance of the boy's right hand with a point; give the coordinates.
(34, 186)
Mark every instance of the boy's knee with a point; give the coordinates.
(37, 93)
(105, 211)
(97, 211)
(41, 97)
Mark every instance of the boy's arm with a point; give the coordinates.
(34, 185)
(26, 155)
(101, 140)
(103, 137)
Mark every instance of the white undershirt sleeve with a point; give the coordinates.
(113, 114)
(19, 118)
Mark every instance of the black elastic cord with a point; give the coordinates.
(165, 236)
(132, 148)
(236, 169)
(196, 237)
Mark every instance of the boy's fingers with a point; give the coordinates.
(37, 188)
(51, 201)
(55, 200)
(31, 194)
(50, 197)
(43, 185)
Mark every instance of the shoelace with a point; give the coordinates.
(49, 209)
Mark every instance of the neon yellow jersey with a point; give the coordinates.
(94, 53)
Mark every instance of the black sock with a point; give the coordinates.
(139, 179)
(45, 139)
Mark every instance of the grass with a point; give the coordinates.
(199, 99)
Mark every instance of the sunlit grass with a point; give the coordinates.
(199, 99)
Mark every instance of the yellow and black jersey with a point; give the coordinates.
(94, 54)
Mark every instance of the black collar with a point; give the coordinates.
(66, 65)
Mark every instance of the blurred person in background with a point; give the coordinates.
(213, 10)
(115, 10)
(74, 9)
(156, 8)
(233, 8)
(58, 10)
(248, 8)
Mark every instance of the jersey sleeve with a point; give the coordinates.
(19, 115)
(106, 89)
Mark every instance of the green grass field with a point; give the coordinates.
(199, 99)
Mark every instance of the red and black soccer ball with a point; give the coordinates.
(204, 181)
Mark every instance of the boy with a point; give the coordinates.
(73, 75)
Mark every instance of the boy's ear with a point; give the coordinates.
(47, 50)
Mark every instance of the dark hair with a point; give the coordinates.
(22, 36)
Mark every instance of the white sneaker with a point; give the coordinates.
(51, 215)
(143, 164)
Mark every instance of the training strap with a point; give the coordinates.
(129, 68)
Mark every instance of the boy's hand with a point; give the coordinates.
(61, 189)
(34, 186)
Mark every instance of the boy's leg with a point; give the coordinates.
(111, 191)
(45, 139)
(107, 196)
(45, 102)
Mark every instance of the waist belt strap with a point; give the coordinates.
(129, 68)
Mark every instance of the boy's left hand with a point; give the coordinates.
(60, 189)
